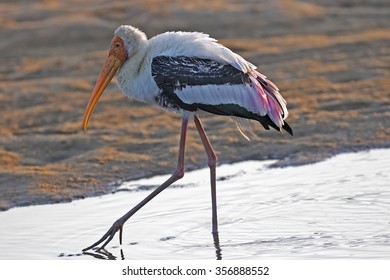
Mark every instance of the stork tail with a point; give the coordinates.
(272, 101)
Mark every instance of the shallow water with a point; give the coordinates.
(338, 208)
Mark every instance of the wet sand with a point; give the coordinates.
(329, 58)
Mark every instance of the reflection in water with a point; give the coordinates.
(102, 254)
(105, 254)
(218, 251)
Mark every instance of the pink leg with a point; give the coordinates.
(212, 162)
(179, 173)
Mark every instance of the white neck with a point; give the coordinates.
(132, 79)
(132, 65)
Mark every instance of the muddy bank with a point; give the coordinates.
(329, 58)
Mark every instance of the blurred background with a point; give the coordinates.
(329, 58)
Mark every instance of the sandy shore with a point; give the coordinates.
(329, 58)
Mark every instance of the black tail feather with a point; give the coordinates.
(238, 111)
(287, 128)
(266, 122)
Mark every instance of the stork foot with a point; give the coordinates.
(109, 235)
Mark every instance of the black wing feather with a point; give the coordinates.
(180, 71)
(175, 73)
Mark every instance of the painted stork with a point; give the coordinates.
(186, 72)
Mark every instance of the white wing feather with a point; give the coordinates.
(195, 44)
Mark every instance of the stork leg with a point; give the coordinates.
(212, 162)
(177, 174)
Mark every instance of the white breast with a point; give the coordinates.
(135, 80)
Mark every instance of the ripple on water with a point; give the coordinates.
(338, 208)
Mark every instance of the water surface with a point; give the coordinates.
(338, 208)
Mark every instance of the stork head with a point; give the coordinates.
(126, 43)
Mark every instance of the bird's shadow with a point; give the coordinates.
(105, 254)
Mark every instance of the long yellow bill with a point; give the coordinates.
(110, 67)
(114, 61)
